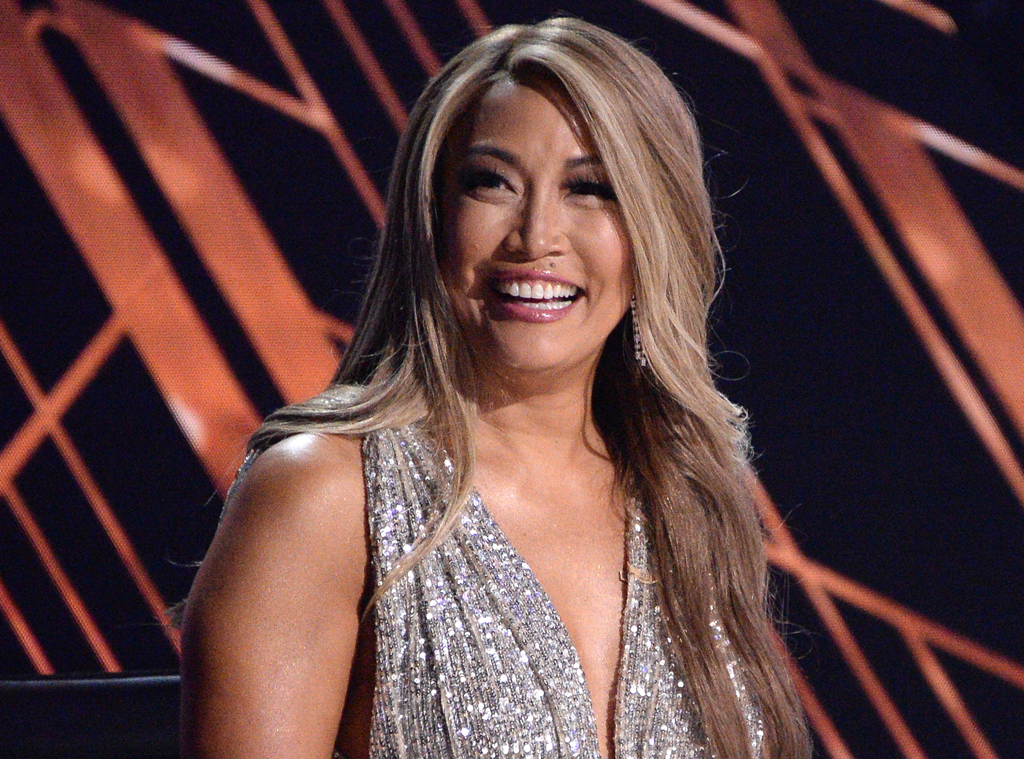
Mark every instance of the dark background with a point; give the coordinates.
(857, 439)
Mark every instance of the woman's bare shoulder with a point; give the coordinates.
(298, 512)
(304, 493)
(272, 620)
(304, 475)
(309, 459)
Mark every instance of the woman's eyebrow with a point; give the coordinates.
(510, 158)
(584, 160)
(490, 150)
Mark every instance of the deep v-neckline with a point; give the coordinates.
(628, 624)
(473, 658)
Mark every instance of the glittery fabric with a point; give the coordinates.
(472, 658)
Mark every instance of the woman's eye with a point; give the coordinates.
(599, 189)
(481, 179)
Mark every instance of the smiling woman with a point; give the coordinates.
(527, 208)
(517, 521)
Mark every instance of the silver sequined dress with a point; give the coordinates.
(472, 658)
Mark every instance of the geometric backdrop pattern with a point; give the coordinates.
(191, 195)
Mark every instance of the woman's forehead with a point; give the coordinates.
(508, 105)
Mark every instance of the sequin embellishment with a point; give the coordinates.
(472, 658)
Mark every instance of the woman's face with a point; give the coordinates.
(535, 258)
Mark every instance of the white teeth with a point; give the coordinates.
(537, 292)
(544, 305)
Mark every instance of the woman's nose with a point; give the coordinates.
(541, 229)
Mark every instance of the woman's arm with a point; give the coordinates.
(272, 619)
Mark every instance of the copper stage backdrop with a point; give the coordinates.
(190, 193)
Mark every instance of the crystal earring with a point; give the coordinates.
(638, 346)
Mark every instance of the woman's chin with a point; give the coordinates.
(530, 363)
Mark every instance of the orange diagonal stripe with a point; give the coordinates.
(475, 16)
(29, 642)
(418, 42)
(49, 408)
(107, 519)
(86, 624)
(367, 62)
(950, 698)
(335, 137)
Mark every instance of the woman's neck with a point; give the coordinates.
(549, 421)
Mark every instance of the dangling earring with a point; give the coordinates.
(638, 347)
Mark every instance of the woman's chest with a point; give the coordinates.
(576, 551)
(474, 659)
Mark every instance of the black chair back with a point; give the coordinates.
(109, 717)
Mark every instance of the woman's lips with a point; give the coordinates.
(536, 297)
(520, 311)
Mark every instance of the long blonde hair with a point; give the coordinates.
(679, 446)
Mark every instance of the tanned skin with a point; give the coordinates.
(275, 656)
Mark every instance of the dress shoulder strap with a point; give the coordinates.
(402, 489)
